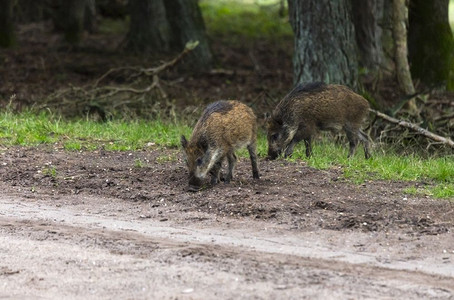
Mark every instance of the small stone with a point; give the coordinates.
(281, 287)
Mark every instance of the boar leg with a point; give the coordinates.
(289, 149)
(364, 138)
(215, 172)
(298, 136)
(352, 136)
(307, 143)
(253, 155)
(231, 158)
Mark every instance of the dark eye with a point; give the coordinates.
(199, 161)
(274, 137)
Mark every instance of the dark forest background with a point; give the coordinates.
(122, 58)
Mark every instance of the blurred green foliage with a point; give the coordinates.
(238, 20)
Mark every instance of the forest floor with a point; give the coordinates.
(78, 225)
(256, 72)
(95, 224)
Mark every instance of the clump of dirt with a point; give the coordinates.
(288, 193)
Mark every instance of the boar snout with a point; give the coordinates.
(272, 155)
(273, 152)
(195, 183)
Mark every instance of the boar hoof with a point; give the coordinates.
(215, 180)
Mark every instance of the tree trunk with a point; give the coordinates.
(90, 16)
(400, 18)
(74, 11)
(7, 35)
(187, 24)
(367, 18)
(29, 11)
(149, 29)
(325, 46)
(73, 17)
(431, 43)
(386, 26)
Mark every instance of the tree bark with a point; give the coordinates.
(7, 34)
(431, 42)
(161, 26)
(187, 24)
(325, 46)
(367, 18)
(149, 28)
(74, 11)
(73, 17)
(400, 18)
(29, 10)
(90, 16)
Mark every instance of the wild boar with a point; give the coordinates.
(224, 127)
(316, 106)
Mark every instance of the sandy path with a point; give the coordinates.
(102, 248)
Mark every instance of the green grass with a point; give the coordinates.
(240, 19)
(234, 19)
(384, 165)
(113, 26)
(51, 172)
(438, 191)
(28, 129)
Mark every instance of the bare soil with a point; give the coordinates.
(80, 225)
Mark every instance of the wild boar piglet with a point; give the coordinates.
(224, 127)
(316, 106)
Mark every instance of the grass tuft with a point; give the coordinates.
(28, 129)
(384, 165)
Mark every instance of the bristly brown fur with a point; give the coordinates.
(313, 107)
(312, 87)
(224, 127)
(221, 107)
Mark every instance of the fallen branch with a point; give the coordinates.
(420, 130)
(102, 97)
(155, 70)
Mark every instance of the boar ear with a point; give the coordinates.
(202, 143)
(270, 119)
(184, 141)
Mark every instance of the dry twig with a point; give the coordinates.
(414, 127)
(102, 96)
